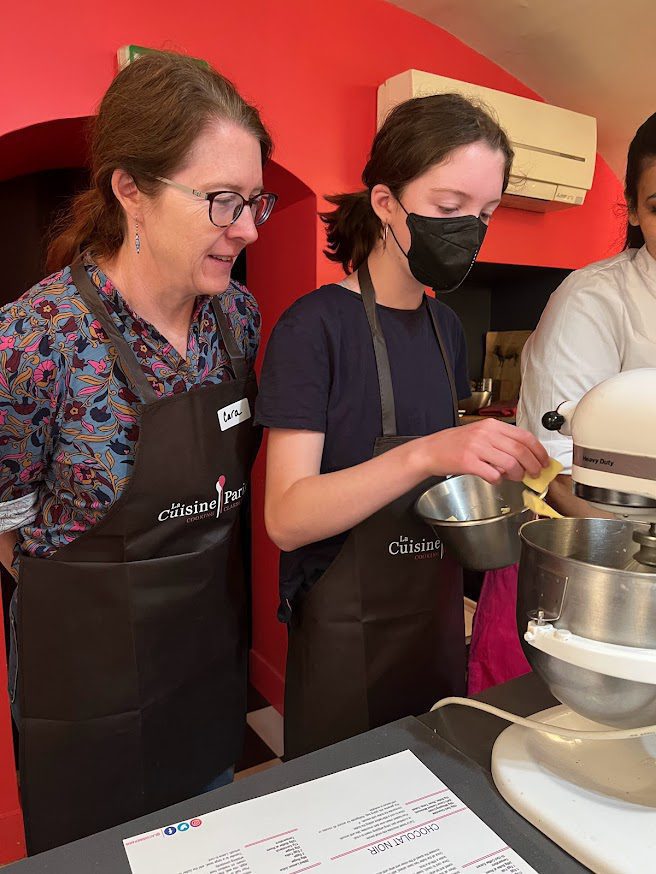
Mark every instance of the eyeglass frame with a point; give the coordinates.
(211, 195)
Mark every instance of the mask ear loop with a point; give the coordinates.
(392, 229)
(396, 241)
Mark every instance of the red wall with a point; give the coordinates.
(285, 267)
(313, 68)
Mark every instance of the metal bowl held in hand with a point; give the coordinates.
(573, 575)
(478, 522)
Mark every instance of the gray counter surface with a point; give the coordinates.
(455, 744)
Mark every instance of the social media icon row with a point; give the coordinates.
(182, 827)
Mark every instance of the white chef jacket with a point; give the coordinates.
(600, 321)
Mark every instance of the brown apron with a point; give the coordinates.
(381, 634)
(133, 638)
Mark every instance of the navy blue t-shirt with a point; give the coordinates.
(320, 374)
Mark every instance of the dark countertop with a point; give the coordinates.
(454, 743)
(474, 732)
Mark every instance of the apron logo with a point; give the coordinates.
(220, 483)
(226, 499)
(418, 549)
(234, 414)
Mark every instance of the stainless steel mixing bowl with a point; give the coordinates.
(476, 402)
(574, 570)
(484, 537)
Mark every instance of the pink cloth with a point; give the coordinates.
(506, 409)
(495, 653)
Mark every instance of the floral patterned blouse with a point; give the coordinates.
(68, 429)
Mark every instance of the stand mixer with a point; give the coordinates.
(586, 611)
(586, 615)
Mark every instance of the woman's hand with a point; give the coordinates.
(490, 449)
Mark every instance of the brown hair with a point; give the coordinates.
(147, 122)
(416, 135)
(642, 152)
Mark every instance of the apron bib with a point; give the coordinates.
(133, 638)
(381, 635)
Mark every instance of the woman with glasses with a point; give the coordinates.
(126, 444)
(360, 388)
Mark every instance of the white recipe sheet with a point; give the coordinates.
(392, 816)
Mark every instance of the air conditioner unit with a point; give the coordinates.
(555, 149)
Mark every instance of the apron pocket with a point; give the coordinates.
(76, 642)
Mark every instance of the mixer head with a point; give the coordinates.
(614, 459)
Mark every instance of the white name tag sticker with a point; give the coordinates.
(234, 414)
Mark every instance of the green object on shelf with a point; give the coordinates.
(127, 54)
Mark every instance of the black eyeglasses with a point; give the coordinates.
(225, 207)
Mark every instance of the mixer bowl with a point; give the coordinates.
(573, 570)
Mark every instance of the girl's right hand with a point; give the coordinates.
(490, 449)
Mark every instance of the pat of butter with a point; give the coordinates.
(537, 505)
(540, 482)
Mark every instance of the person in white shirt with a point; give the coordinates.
(599, 322)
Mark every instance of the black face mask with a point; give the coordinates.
(442, 250)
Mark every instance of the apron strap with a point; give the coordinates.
(447, 362)
(129, 363)
(237, 359)
(388, 408)
(387, 404)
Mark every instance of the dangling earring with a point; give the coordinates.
(137, 238)
(385, 227)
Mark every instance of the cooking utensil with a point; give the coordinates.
(478, 522)
(573, 574)
(476, 402)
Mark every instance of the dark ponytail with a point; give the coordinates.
(352, 229)
(641, 152)
(416, 135)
